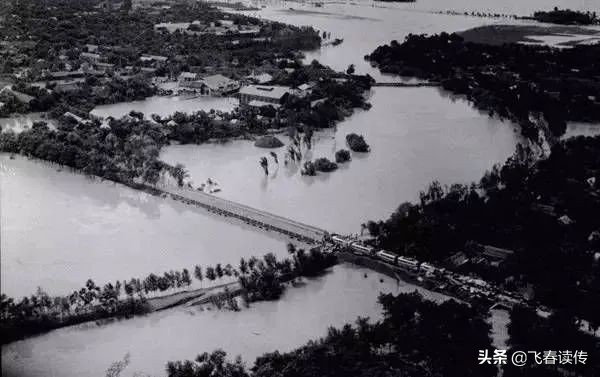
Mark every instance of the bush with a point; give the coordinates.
(309, 169)
(343, 155)
(357, 143)
(324, 165)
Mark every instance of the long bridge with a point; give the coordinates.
(270, 222)
(252, 216)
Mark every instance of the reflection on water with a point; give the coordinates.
(416, 136)
(59, 229)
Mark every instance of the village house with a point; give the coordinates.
(258, 96)
(91, 48)
(217, 85)
(304, 90)
(63, 75)
(21, 97)
(105, 67)
(263, 78)
(214, 85)
(153, 58)
(91, 57)
(189, 80)
(61, 86)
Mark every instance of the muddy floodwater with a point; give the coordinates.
(59, 228)
(303, 313)
(416, 135)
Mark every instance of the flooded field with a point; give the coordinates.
(416, 135)
(60, 228)
(165, 106)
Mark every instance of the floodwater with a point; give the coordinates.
(364, 25)
(60, 228)
(165, 106)
(416, 135)
(302, 314)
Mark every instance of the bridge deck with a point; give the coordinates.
(252, 216)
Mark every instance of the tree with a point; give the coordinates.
(243, 266)
(117, 367)
(343, 155)
(264, 164)
(291, 248)
(252, 262)
(274, 155)
(214, 364)
(180, 174)
(219, 270)
(185, 277)
(350, 69)
(210, 274)
(198, 273)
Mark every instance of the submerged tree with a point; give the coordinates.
(264, 164)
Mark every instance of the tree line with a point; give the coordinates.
(260, 279)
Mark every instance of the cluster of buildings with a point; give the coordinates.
(252, 91)
(218, 28)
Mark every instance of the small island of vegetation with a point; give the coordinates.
(357, 143)
(567, 17)
(343, 155)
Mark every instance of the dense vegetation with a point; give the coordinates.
(126, 150)
(545, 210)
(37, 44)
(567, 17)
(76, 23)
(357, 143)
(263, 279)
(416, 338)
(342, 155)
(512, 81)
(559, 332)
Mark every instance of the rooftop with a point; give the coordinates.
(275, 92)
(217, 81)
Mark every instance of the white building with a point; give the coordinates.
(258, 95)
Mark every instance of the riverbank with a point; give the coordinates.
(523, 83)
